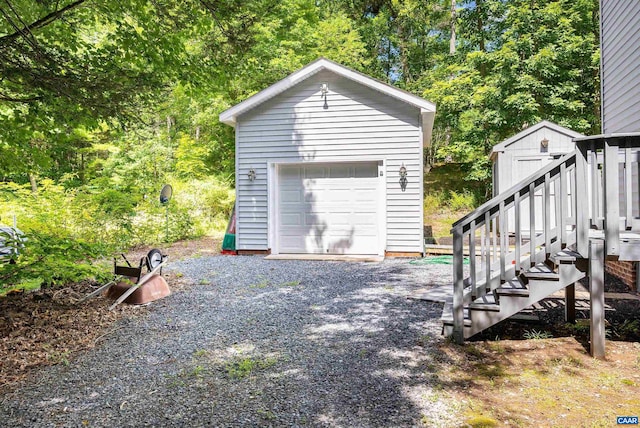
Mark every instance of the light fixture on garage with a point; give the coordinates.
(403, 177)
(544, 143)
(324, 90)
(251, 175)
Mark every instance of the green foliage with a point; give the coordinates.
(244, 367)
(67, 230)
(534, 334)
(436, 201)
(55, 260)
(90, 129)
(518, 63)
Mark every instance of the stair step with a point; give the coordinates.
(485, 303)
(565, 256)
(513, 287)
(447, 314)
(541, 271)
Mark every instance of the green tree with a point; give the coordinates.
(541, 63)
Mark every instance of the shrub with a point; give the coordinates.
(67, 229)
(55, 260)
(464, 200)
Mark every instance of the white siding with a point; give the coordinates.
(355, 124)
(620, 59)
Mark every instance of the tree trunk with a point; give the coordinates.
(81, 172)
(452, 40)
(34, 185)
(480, 24)
(480, 28)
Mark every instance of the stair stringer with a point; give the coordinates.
(481, 319)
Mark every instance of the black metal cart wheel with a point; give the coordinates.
(154, 258)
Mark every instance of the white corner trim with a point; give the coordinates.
(382, 207)
(272, 208)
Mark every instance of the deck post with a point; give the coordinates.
(458, 287)
(611, 198)
(596, 292)
(570, 303)
(582, 203)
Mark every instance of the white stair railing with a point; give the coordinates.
(517, 229)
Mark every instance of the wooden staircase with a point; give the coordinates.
(541, 280)
(545, 234)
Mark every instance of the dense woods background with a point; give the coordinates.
(102, 102)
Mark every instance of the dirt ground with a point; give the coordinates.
(538, 372)
(541, 382)
(499, 379)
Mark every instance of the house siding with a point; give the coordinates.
(620, 61)
(357, 123)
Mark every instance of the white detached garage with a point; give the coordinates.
(319, 157)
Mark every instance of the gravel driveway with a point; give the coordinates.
(258, 342)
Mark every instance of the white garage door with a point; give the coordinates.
(328, 208)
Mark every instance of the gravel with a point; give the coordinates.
(258, 342)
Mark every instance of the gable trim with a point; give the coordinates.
(229, 116)
(544, 124)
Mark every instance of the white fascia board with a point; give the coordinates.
(544, 124)
(229, 116)
(427, 126)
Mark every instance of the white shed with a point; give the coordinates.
(526, 153)
(319, 157)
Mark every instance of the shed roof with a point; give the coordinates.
(544, 124)
(427, 108)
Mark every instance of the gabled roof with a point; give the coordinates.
(427, 108)
(544, 124)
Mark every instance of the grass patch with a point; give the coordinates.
(200, 353)
(289, 284)
(187, 376)
(264, 283)
(534, 334)
(449, 196)
(244, 367)
(481, 421)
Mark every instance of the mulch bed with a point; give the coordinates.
(48, 326)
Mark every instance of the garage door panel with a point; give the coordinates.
(291, 219)
(287, 196)
(315, 172)
(364, 219)
(337, 205)
(290, 172)
(366, 170)
(340, 171)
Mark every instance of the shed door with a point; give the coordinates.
(523, 168)
(328, 208)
